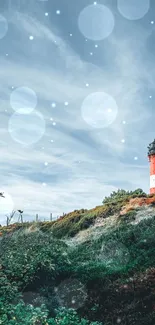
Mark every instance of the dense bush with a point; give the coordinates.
(29, 259)
(123, 195)
(20, 314)
(128, 217)
(75, 222)
(70, 317)
(29, 315)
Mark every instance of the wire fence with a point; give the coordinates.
(20, 219)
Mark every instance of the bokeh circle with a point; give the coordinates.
(114, 254)
(71, 293)
(99, 109)
(96, 22)
(133, 9)
(24, 99)
(6, 204)
(26, 128)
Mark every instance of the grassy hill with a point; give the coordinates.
(89, 267)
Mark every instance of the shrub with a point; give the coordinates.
(70, 317)
(128, 217)
(123, 195)
(22, 314)
(25, 257)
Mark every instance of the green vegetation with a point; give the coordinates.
(32, 260)
(16, 315)
(79, 220)
(103, 281)
(124, 195)
(128, 217)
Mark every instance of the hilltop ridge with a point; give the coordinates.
(129, 208)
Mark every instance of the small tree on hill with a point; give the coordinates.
(123, 194)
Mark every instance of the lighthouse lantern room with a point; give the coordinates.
(151, 157)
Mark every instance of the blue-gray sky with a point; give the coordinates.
(77, 96)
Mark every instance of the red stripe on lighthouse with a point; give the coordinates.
(152, 173)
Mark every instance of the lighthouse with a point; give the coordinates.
(151, 157)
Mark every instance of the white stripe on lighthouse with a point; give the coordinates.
(152, 181)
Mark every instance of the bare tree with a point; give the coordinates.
(9, 218)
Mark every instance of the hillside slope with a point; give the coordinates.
(99, 262)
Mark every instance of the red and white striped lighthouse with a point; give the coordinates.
(151, 157)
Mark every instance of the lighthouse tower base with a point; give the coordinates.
(152, 173)
(152, 190)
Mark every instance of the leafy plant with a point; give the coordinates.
(70, 317)
(123, 195)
